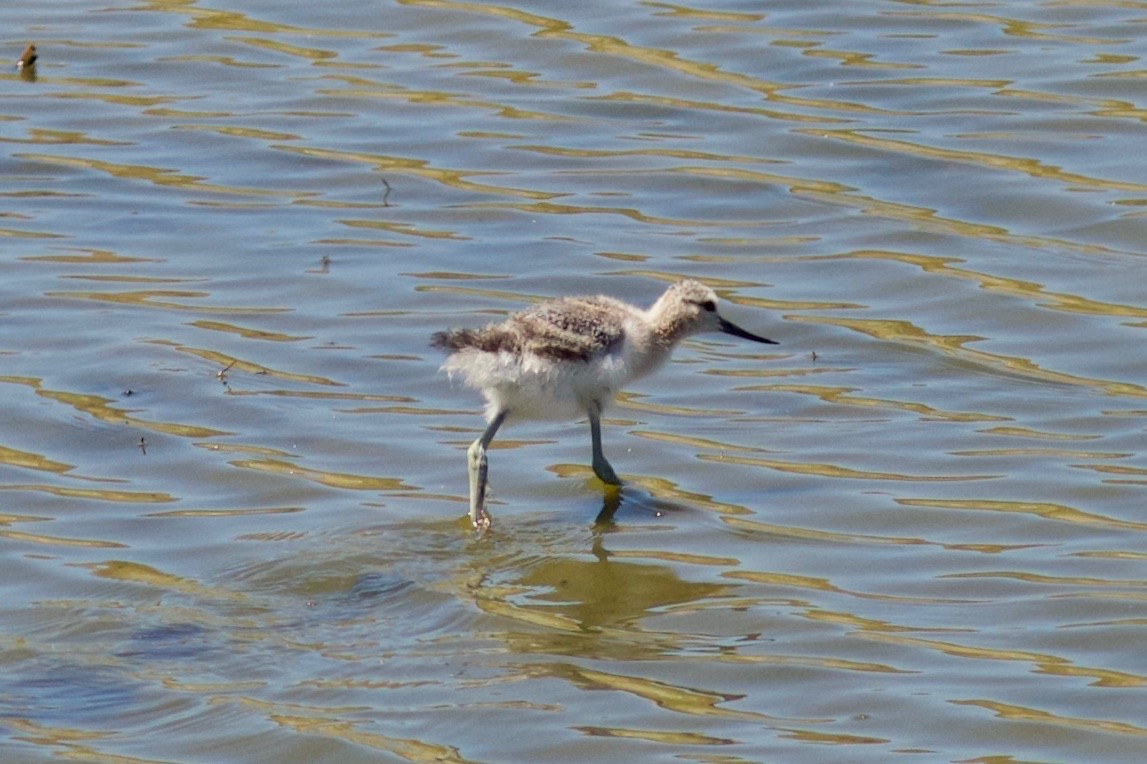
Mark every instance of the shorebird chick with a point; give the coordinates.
(27, 59)
(565, 358)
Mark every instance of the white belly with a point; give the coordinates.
(538, 388)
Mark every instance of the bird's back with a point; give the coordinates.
(567, 329)
(572, 328)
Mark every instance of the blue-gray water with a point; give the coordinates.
(232, 482)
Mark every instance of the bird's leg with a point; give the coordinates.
(476, 459)
(601, 467)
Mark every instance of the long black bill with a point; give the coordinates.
(728, 327)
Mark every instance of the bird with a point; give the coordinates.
(27, 59)
(565, 358)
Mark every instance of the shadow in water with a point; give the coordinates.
(616, 498)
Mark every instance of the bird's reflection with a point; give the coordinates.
(610, 503)
(638, 502)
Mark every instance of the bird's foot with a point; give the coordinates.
(482, 522)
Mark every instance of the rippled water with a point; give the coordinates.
(233, 482)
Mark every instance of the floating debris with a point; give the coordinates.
(28, 58)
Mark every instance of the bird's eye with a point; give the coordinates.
(709, 306)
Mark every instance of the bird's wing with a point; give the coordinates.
(573, 328)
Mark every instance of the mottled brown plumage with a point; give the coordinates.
(567, 329)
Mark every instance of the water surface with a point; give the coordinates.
(233, 482)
